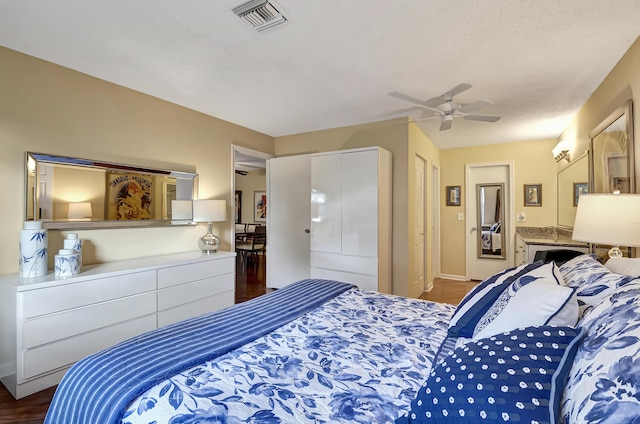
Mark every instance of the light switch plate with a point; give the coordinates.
(460, 216)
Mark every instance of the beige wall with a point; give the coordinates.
(621, 84)
(50, 109)
(391, 135)
(253, 181)
(533, 164)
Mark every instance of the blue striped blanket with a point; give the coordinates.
(98, 388)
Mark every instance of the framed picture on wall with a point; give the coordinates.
(237, 204)
(578, 189)
(453, 195)
(259, 206)
(533, 194)
(129, 196)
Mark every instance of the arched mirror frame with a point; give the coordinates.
(606, 158)
(168, 185)
(491, 243)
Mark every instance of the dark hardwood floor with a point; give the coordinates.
(250, 282)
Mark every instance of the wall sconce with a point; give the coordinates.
(209, 211)
(561, 151)
(79, 211)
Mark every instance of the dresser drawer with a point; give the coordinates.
(181, 274)
(49, 328)
(68, 296)
(65, 352)
(185, 293)
(193, 309)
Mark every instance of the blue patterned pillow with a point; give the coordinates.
(604, 382)
(536, 298)
(514, 376)
(479, 299)
(593, 281)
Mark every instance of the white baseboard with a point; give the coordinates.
(453, 277)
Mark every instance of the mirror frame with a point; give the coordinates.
(31, 198)
(576, 162)
(626, 111)
(503, 244)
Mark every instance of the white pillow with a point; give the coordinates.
(536, 298)
(624, 266)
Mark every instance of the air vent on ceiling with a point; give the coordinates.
(260, 15)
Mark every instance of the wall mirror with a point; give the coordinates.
(72, 193)
(491, 237)
(612, 164)
(573, 180)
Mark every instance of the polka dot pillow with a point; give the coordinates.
(517, 376)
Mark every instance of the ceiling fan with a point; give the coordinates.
(446, 109)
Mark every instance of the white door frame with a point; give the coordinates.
(509, 213)
(248, 152)
(435, 224)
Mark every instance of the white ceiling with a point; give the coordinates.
(334, 63)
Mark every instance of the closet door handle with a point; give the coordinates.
(473, 229)
(306, 230)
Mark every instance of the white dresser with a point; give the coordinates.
(46, 324)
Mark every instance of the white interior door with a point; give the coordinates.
(419, 222)
(481, 268)
(288, 220)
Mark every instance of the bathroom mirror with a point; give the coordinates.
(612, 165)
(491, 237)
(73, 193)
(573, 180)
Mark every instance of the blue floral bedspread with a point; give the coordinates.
(360, 357)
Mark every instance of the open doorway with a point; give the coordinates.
(250, 233)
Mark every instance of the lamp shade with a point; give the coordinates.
(79, 210)
(181, 209)
(612, 219)
(209, 210)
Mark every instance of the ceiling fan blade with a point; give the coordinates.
(485, 118)
(445, 124)
(458, 89)
(405, 97)
(447, 96)
(474, 106)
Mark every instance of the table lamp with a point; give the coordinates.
(79, 211)
(612, 219)
(209, 211)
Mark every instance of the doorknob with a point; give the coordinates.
(306, 230)
(473, 229)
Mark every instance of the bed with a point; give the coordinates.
(535, 343)
(491, 239)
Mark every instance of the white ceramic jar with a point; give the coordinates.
(67, 263)
(33, 250)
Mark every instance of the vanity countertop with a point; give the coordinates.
(548, 236)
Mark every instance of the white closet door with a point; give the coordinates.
(360, 203)
(289, 187)
(326, 203)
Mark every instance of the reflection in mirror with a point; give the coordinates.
(572, 182)
(77, 193)
(612, 165)
(491, 237)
